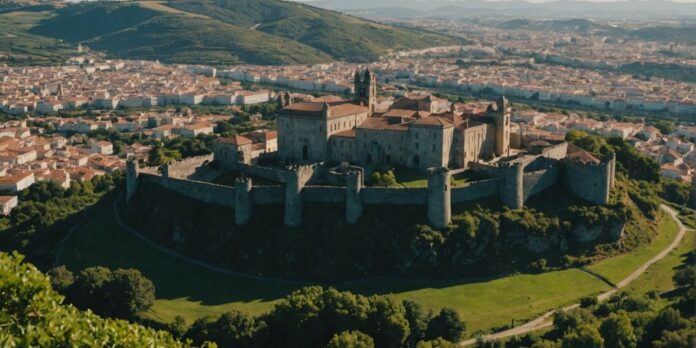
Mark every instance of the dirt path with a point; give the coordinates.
(546, 319)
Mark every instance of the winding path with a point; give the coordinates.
(545, 320)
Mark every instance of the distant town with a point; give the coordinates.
(65, 105)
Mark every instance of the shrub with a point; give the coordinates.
(40, 319)
(351, 339)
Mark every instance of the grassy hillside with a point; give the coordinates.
(228, 32)
(18, 47)
(339, 35)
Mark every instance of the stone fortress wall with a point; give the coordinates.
(513, 182)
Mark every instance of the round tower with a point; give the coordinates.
(242, 200)
(132, 172)
(512, 190)
(439, 198)
(293, 198)
(354, 207)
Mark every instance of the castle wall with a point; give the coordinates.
(202, 191)
(535, 182)
(186, 167)
(268, 173)
(476, 190)
(267, 194)
(324, 194)
(385, 195)
(590, 182)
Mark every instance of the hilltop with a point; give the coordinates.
(228, 32)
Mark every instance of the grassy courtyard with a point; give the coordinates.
(192, 291)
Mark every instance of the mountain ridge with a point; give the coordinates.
(266, 32)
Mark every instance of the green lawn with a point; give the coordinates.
(192, 291)
(618, 268)
(659, 275)
(412, 178)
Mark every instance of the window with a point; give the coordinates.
(416, 146)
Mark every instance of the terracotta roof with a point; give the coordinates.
(437, 121)
(381, 123)
(350, 133)
(5, 199)
(235, 140)
(581, 156)
(329, 98)
(314, 109)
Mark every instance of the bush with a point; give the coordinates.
(40, 319)
(588, 301)
(675, 192)
(124, 293)
(447, 324)
(351, 339)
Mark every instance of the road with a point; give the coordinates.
(546, 319)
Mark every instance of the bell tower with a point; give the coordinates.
(502, 127)
(365, 89)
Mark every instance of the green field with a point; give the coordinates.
(192, 291)
(659, 276)
(618, 268)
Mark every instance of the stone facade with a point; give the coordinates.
(415, 132)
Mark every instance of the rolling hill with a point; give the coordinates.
(228, 32)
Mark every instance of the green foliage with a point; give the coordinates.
(685, 276)
(629, 160)
(447, 324)
(585, 336)
(386, 179)
(178, 148)
(46, 212)
(231, 329)
(675, 191)
(124, 293)
(351, 339)
(32, 315)
(617, 331)
(588, 301)
(314, 317)
(61, 278)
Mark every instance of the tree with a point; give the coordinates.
(617, 331)
(129, 293)
(446, 324)
(417, 319)
(668, 319)
(61, 278)
(87, 291)
(685, 277)
(386, 322)
(585, 336)
(351, 339)
(588, 301)
(436, 343)
(234, 329)
(40, 319)
(675, 192)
